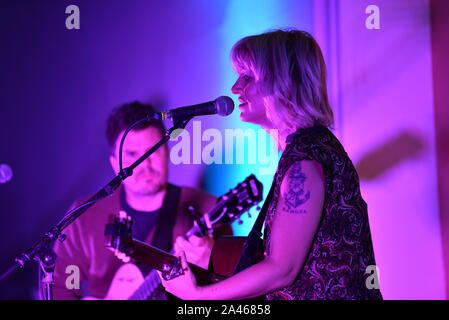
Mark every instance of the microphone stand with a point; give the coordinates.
(42, 250)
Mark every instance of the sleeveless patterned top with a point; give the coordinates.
(341, 251)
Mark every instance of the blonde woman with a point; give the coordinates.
(317, 239)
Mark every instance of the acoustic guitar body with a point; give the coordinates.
(126, 281)
(226, 253)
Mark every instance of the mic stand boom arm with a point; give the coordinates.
(42, 250)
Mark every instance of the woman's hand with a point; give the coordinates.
(184, 286)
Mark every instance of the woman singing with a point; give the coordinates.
(317, 240)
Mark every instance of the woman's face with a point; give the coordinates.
(252, 107)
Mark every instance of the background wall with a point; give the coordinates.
(387, 127)
(439, 10)
(59, 85)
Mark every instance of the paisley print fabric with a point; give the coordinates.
(335, 267)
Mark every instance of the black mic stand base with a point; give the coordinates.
(47, 260)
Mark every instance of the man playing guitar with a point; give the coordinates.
(156, 207)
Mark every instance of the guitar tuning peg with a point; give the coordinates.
(249, 215)
(230, 215)
(239, 208)
(239, 221)
(257, 208)
(165, 267)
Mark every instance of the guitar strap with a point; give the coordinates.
(163, 232)
(253, 244)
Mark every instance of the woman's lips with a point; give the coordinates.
(243, 102)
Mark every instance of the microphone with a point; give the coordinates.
(5, 173)
(222, 105)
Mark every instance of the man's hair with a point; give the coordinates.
(125, 115)
(292, 74)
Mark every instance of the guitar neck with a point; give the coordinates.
(166, 262)
(151, 256)
(229, 207)
(161, 260)
(197, 230)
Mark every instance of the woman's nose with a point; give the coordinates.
(236, 88)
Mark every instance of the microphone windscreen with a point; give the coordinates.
(224, 105)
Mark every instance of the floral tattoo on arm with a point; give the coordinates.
(296, 195)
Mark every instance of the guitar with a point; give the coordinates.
(129, 282)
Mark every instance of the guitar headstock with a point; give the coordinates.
(230, 206)
(238, 201)
(118, 235)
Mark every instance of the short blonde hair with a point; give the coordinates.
(292, 74)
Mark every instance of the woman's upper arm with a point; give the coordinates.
(297, 217)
